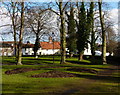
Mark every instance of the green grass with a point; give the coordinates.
(86, 83)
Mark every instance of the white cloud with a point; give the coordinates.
(114, 18)
(4, 20)
(114, 15)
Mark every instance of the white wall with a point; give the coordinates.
(4, 51)
(29, 51)
(50, 51)
(88, 51)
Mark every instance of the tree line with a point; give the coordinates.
(75, 21)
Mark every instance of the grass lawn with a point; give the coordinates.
(85, 83)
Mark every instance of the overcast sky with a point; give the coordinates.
(113, 12)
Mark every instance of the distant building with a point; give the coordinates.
(6, 48)
(88, 50)
(46, 48)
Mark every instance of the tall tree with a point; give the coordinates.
(91, 27)
(12, 12)
(71, 39)
(103, 33)
(61, 7)
(14, 20)
(19, 60)
(111, 42)
(39, 21)
(62, 33)
(82, 33)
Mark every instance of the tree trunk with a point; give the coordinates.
(63, 43)
(71, 54)
(91, 25)
(93, 43)
(14, 17)
(103, 34)
(14, 29)
(21, 35)
(62, 35)
(80, 56)
(36, 47)
(15, 41)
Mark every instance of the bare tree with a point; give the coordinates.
(13, 13)
(14, 24)
(103, 33)
(63, 33)
(61, 13)
(111, 41)
(19, 59)
(39, 21)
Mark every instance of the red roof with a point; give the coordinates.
(49, 45)
(43, 45)
(6, 41)
(28, 45)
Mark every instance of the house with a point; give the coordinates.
(88, 50)
(46, 48)
(7, 48)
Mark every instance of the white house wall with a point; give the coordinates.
(29, 51)
(87, 51)
(50, 51)
(6, 51)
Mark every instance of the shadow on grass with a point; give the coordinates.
(40, 61)
(8, 63)
(103, 78)
(46, 59)
(113, 62)
(105, 68)
(84, 63)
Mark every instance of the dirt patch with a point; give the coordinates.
(22, 70)
(18, 70)
(85, 70)
(54, 74)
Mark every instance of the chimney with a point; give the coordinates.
(28, 42)
(50, 39)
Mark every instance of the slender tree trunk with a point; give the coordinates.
(91, 25)
(15, 44)
(93, 43)
(21, 35)
(62, 35)
(14, 29)
(36, 47)
(103, 34)
(14, 34)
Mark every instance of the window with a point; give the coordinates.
(26, 53)
(39, 53)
